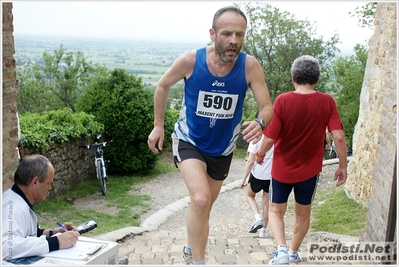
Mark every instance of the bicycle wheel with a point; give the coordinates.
(330, 154)
(101, 179)
(334, 154)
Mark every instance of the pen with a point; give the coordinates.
(62, 227)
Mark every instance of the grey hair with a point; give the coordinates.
(225, 9)
(30, 167)
(306, 70)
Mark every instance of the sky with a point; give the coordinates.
(181, 21)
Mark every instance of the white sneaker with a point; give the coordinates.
(280, 258)
(187, 258)
(262, 232)
(295, 258)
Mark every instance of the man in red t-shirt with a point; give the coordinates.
(297, 131)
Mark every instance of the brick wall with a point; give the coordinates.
(371, 168)
(10, 87)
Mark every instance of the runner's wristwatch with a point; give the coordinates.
(261, 122)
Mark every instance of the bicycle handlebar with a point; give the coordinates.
(96, 144)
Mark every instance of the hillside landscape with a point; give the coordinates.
(148, 59)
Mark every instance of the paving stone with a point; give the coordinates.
(247, 241)
(229, 242)
(159, 249)
(152, 261)
(233, 241)
(226, 259)
(259, 255)
(266, 242)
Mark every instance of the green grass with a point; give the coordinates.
(240, 153)
(337, 213)
(127, 204)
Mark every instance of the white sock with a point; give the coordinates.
(282, 247)
(257, 217)
(291, 252)
(200, 262)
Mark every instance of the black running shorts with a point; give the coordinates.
(303, 191)
(257, 185)
(217, 167)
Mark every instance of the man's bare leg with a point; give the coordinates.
(203, 192)
(301, 226)
(252, 201)
(276, 221)
(265, 208)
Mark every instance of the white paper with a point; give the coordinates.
(82, 250)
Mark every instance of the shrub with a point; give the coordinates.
(38, 131)
(120, 101)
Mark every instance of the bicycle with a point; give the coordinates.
(100, 163)
(331, 153)
(20, 150)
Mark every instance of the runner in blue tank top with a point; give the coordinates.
(216, 79)
(212, 108)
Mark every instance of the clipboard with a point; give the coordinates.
(82, 250)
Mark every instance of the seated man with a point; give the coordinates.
(21, 236)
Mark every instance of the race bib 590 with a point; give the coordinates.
(216, 105)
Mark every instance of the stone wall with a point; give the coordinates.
(10, 88)
(72, 164)
(371, 168)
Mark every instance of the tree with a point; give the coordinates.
(56, 84)
(250, 107)
(276, 39)
(32, 95)
(365, 14)
(347, 85)
(175, 97)
(120, 102)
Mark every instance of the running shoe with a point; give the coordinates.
(187, 258)
(123, 260)
(295, 258)
(262, 232)
(256, 226)
(280, 258)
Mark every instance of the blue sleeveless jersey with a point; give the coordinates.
(211, 113)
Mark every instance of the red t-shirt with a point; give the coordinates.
(298, 126)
